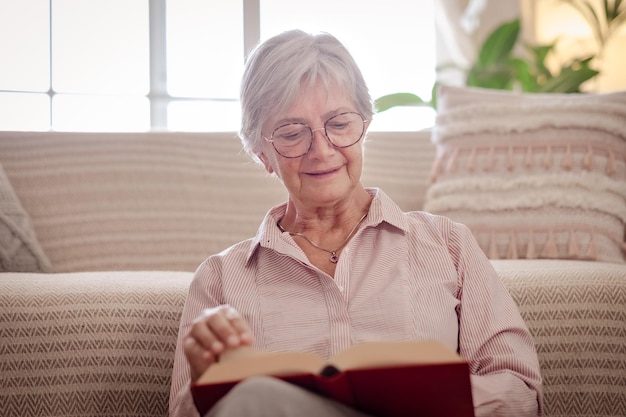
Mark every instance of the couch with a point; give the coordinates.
(101, 234)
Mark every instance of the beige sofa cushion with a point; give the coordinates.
(88, 344)
(139, 201)
(166, 201)
(19, 248)
(576, 311)
(399, 163)
(533, 175)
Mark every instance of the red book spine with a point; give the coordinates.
(439, 390)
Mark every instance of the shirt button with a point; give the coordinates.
(340, 288)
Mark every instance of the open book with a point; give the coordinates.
(385, 379)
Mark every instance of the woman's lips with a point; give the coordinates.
(324, 173)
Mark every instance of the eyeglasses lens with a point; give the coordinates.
(294, 139)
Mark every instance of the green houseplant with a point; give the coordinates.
(498, 67)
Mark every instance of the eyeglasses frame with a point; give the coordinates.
(271, 138)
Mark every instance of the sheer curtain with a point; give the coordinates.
(461, 27)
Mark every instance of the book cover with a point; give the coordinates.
(385, 379)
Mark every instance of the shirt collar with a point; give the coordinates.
(382, 209)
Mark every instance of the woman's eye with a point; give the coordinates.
(291, 135)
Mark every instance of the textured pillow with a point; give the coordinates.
(19, 248)
(533, 175)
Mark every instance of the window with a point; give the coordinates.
(118, 65)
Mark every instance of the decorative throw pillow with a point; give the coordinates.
(533, 175)
(19, 249)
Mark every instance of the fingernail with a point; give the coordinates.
(232, 341)
(217, 346)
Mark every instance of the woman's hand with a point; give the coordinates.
(211, 333)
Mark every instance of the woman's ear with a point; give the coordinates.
(266, 162)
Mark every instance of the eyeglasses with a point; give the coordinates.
(294, 140)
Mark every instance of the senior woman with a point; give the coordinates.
(338, 263)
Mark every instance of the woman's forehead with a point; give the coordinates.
(318, 100)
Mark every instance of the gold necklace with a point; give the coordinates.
(333, 253)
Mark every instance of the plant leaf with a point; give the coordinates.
(398, 99)
(617, 21)
(613, 12)
(617, 5)
(499, 44)
(524, 74)
(498, 77)
(570, 79)
(540, 54)
(434, 92)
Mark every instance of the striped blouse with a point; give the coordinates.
(403, 276)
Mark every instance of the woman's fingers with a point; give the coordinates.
(225, 327)
(199, 358)
(202, 330)
(241, 326)
(215, 330)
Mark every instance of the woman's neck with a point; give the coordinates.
(335, 217)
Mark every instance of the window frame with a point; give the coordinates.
(159, 101)
(158, 95)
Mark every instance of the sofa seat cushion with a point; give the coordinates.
(89, 344)
(576, 311)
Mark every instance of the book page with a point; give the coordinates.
(377, 354)
(245, 361)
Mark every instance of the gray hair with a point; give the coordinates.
(277, 68)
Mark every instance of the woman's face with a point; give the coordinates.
(325, 174)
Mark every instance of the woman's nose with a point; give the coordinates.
(326, 143)
(319, 128)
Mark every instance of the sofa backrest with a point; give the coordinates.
(166, 201)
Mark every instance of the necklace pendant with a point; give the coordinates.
(334, 258)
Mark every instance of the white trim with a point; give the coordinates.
(158, 95)
(251, 26)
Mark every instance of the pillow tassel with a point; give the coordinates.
(493, 250)
(573, 249)
(547, 159)
(434, 172)
(592, 249)
(528, 160)
(567, 158)
(490, 161)
(531, 252)
(471, 161)
(511, 159)
(588, 160)
(550, 249)
(451, 164)
(512, 254)
(610, 163)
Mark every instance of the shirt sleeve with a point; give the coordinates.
(493, 337)
(204, 292)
